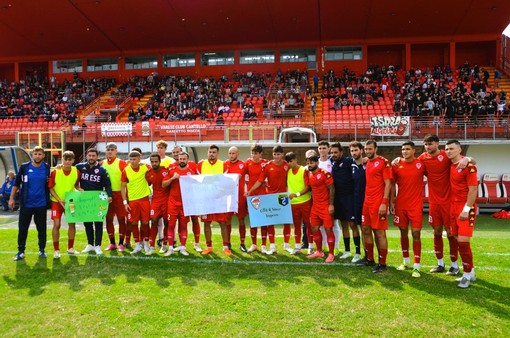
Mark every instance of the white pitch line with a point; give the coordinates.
(234, 261)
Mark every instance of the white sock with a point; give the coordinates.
(455, 264)
(324, 237)
(298, 246)
(440, 262)
(416, 266)
(336, 231)
(407, 260)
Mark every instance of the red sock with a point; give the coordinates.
(331, 241)
(438, 246)
(144, 232)
(183, 233)
(128, 235)
(404, 244)
(270, 233)
(317, 238)
(286, 233)
(153, 234)
(196, 228)
(170, 234)
(382, 256)
(369, 250)
(417, 251)
(56, 246)
(309, 235)
(242, 233)
(298, 233)
(209, 244)
(110, 228)
(263, 234)
(122, 228)
(229, 231)
(467, 256)
(70, 243)
(454, 248)
(253, 235)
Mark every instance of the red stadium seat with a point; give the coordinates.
(481, 198)
(505, 185)
(492, 189)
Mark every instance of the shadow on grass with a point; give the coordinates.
(269, 271)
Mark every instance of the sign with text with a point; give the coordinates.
(209, 194)
(269, 209)
(183, 128)
(389, 125)
(110, 129)
(86, 206)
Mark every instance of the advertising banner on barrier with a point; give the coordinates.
(110, 129)
(183, 128)
(389, 125)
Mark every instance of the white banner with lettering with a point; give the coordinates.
(209, 194)
(389, 125)
(110, 129)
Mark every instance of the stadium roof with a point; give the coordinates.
(30, 29)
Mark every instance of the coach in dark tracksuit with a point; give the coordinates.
(94, 177)
(32, 182)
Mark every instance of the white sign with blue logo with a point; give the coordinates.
(269, 209)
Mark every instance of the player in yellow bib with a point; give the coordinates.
(135, 194)
(62, 180)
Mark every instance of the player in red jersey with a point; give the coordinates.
(437, 170)
(254, 166)
(274, 174)
(234, 166)
(321, 214)
(407, 206)
(176, 150)
(375, 208)
(114, 166)
(463, 183)
(159, 203)
(213, 166)
(175, 206)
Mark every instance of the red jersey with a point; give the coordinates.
(253, 170)
(461, 180)
(378, 170)
(437, 169)
(192, 165)
(409, 178)
(175, 198)
(155, 178)
(320, 180)
(276, 176)
(237, 167)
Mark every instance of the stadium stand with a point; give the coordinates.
(492, 189)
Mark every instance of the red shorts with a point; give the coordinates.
(159, 210)
(319, 215)
(439, 214)
(404, 217)
(222, 217)
(176, 212)
(117, 206)
(301, 213)
(56, 210)
(370, 217)
(458, 227)
(140, 210)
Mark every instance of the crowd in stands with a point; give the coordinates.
(182, 98)
(348, 89)
(40, 100)
(462, 96)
